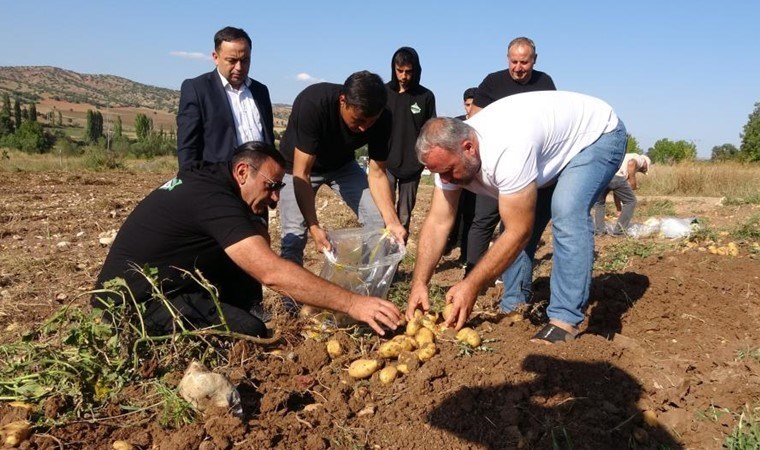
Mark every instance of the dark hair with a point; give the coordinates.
(229, 34)
(469, 93)
(404, 58)
(256, 152)
(365, 91)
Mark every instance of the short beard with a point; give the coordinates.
(471, 169)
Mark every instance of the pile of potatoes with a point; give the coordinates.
(404, 353)
(730, 249)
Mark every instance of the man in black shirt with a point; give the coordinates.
(327, 124)
(207, 219)
(411, 105)
(519, 77)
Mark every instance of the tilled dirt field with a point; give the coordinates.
(673, 333)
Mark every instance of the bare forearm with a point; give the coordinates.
(290, 279)
(305, 199)
(429, 249)
(380, 189)
(501, 255)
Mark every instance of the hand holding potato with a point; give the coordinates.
(462, 295)
(418, 299)
(375, 312)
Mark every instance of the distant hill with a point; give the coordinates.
(74, 93)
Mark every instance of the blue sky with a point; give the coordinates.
(671, 69)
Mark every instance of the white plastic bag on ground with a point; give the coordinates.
(673, 227)
(667, 227)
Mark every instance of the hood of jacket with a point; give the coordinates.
(416, 67)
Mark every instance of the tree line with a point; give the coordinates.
(20, 129)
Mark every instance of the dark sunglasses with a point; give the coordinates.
(271, 185)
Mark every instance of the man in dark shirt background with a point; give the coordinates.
(519, 77)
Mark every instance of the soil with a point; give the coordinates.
(663, 360)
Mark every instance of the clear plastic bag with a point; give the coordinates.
(363, 261)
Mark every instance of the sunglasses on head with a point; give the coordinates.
(271, 185)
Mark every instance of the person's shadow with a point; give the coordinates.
(567, 405)
(611, 296)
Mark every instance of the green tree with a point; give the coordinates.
(750, 146)
(17, 112)
(632, 145)
(33, 112)
(667, 151)
(143, 126)
(6, 124)
(60, 119)
(30, 137)
(725, 152)
(117, 129)
(93, 128)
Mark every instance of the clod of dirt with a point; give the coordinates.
(204, 389)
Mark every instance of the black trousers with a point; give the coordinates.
(483, 225)
(462, 223)
(198, 311)
(404, 191)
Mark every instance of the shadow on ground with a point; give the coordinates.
(568, 404)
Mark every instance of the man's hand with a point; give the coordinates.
(418, 299)
(320, 238)
(398, 231)
(462, 295)
(375, 312)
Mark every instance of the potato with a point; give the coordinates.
(407, 342)
(388, 374)
(429, 321)
(469, 337)
(407, 362)
(426, 352)
(412, 327)
(334, 349)
(424, 336)
(363, 368)
(448, 310)
(122, 445)
(650, 418)
(418, 314)
(390, 349)
(16, 432)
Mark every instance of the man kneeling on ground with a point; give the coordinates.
(208, 218)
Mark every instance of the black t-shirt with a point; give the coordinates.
(187, 223)
(500, 84)
(409, 111)
(316, 128)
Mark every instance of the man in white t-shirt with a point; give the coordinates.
(622, 186)
(545, 156)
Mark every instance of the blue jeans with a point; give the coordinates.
(567, 203)
(350, 182)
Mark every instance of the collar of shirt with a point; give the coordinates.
(228, 87)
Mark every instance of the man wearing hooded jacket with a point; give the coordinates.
(411, 105)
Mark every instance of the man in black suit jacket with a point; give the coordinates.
(224, 108)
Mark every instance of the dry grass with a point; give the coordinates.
(708, 179)
(15, 161)
(737, 182)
